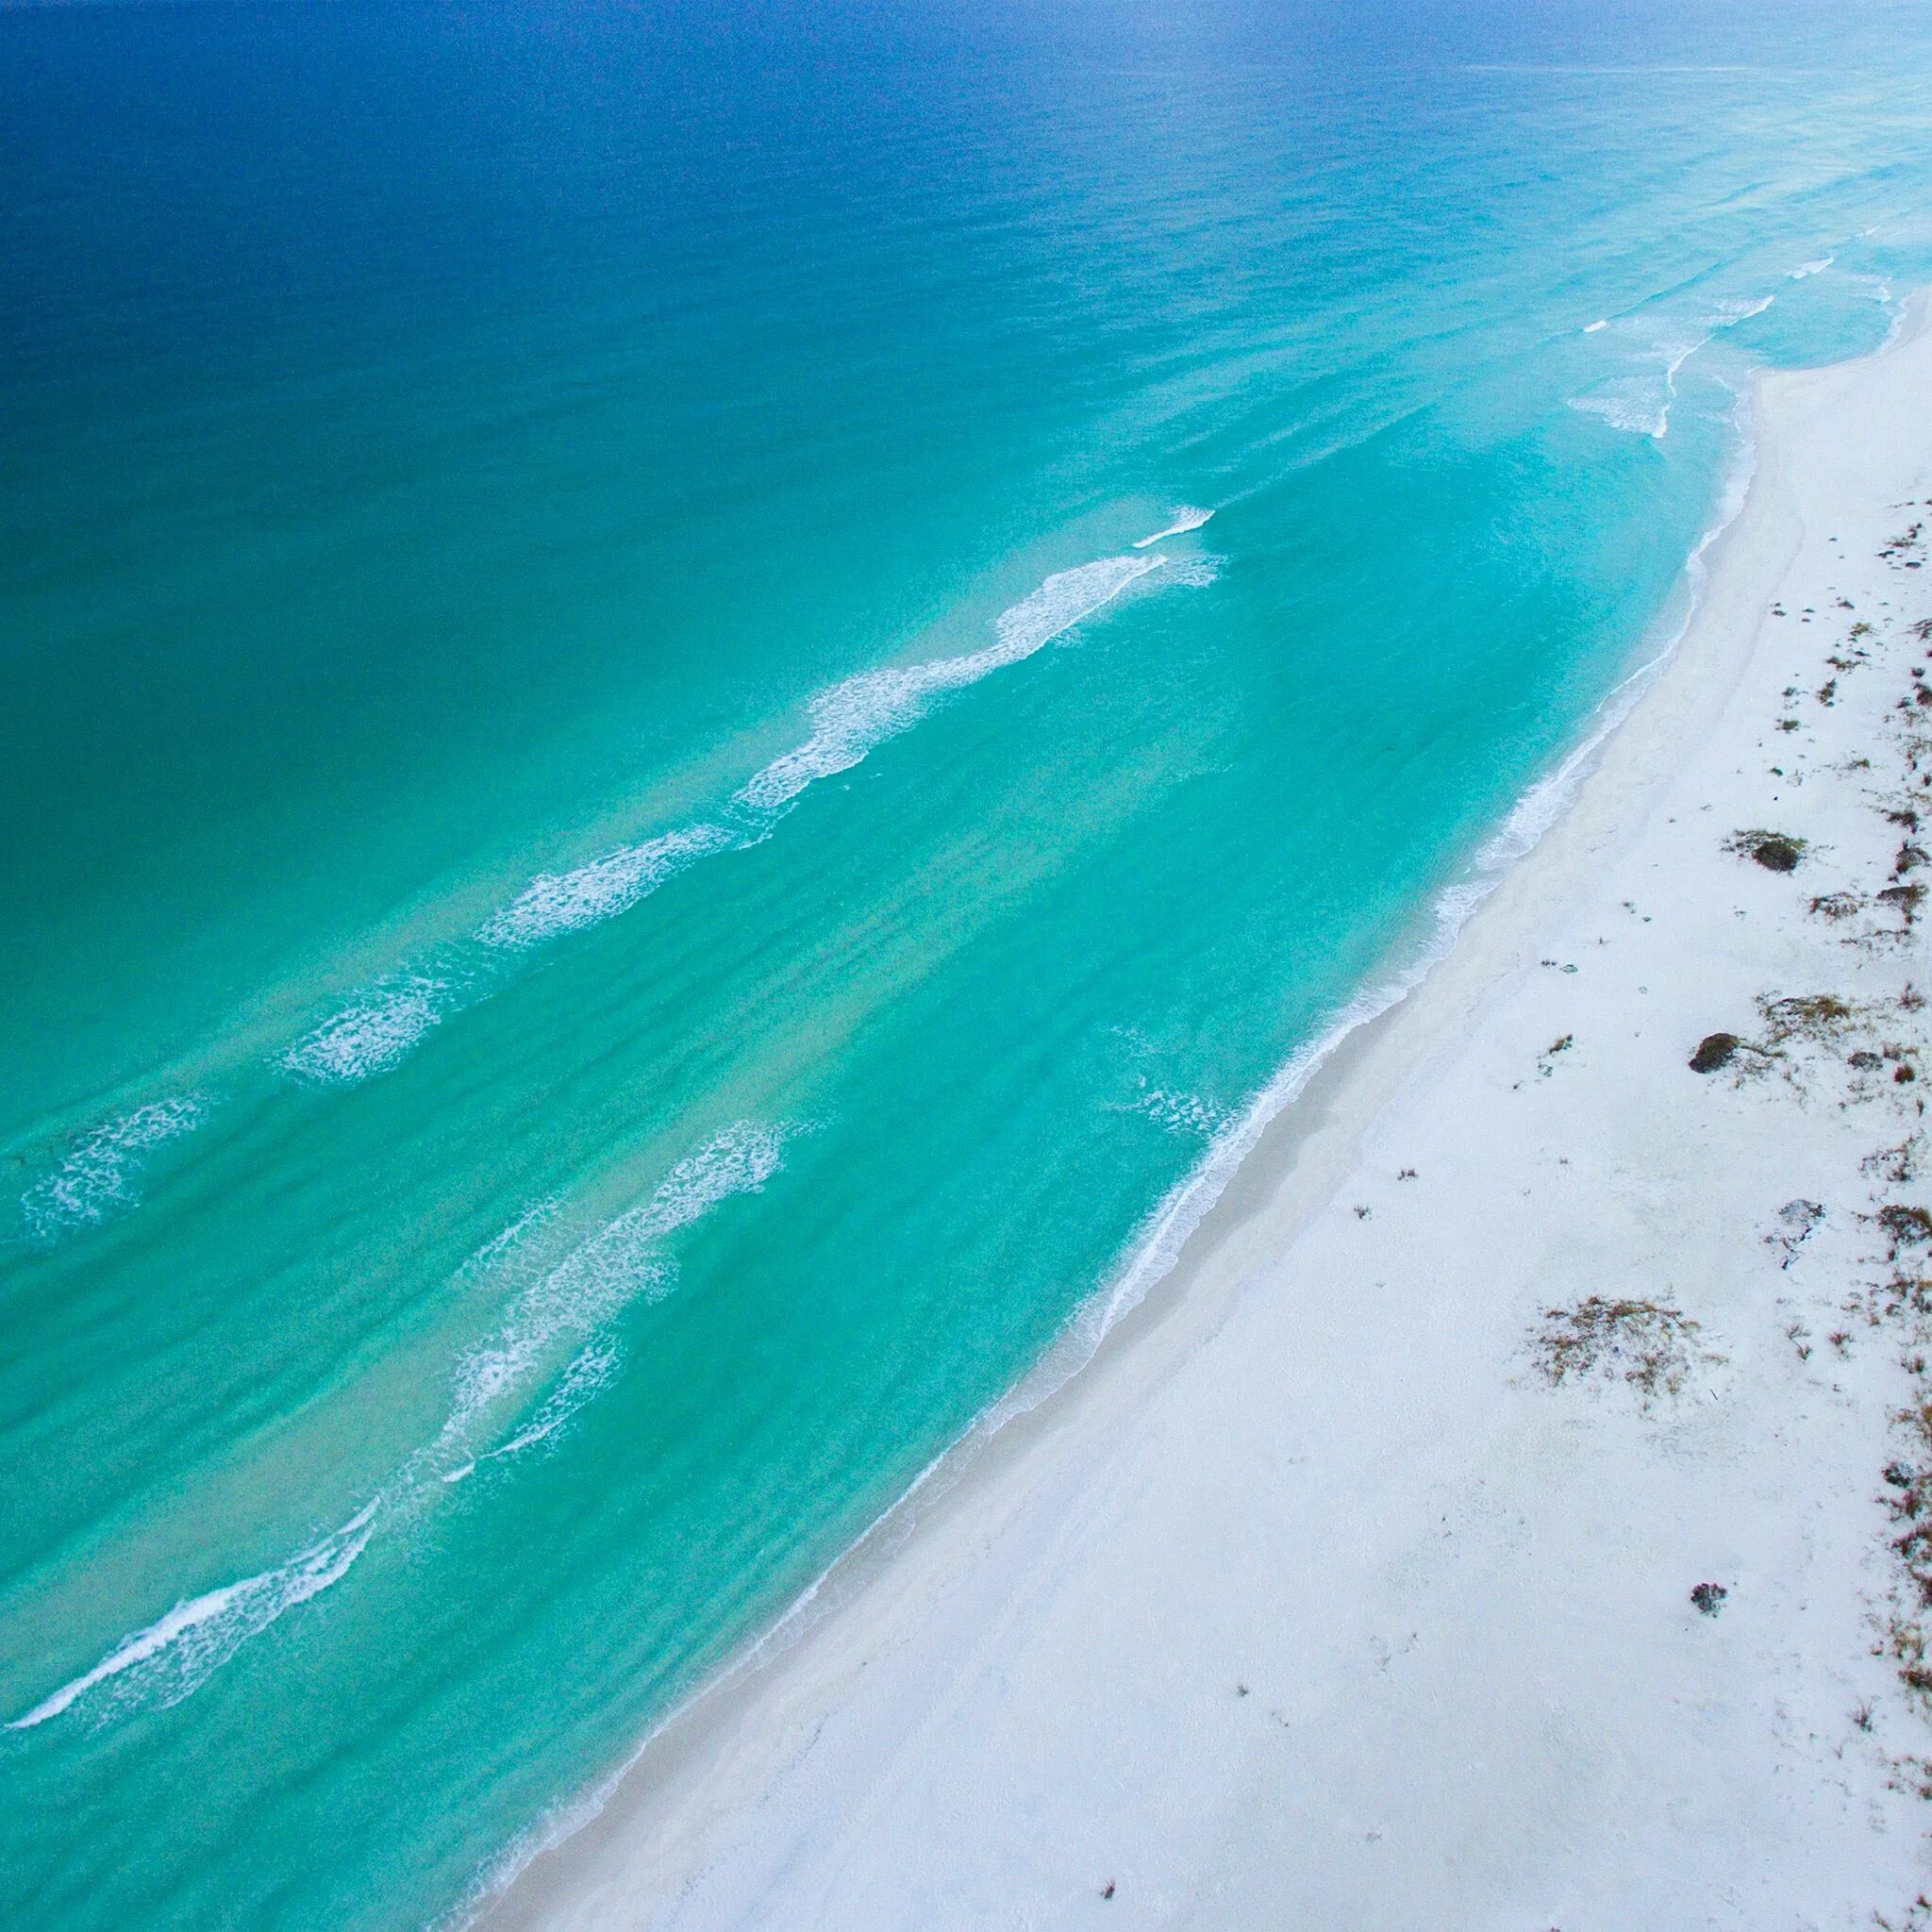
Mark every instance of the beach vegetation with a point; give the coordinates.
(1919, 1912)
(1904, 900)
(1715, 1050)
(1649, 1345)
(1816, 1017)
(1899, 1165)
(1905, 1300)
(1836, 905)
(1773, 851)
(1903, 1227)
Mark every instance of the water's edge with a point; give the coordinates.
(1185, 1222)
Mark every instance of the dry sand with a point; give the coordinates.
(1319, 1600)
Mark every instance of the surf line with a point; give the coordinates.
(1186, 517)
(574, 1297)
(377, 1027)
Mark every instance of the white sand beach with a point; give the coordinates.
(1351, 1585)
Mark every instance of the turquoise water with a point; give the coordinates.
(627, 885)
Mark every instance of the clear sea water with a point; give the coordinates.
(626, 887)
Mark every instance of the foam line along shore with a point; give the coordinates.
(1253, 1629)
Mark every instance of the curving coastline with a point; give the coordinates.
(807, 1789)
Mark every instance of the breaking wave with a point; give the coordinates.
(378, 1028)
(619, 1263)
(1187, 516)
(178, 1653)
(1640, 402)
(558, 1300)
(557, 903)
(1640, 405)
(854, 717)
(97, 1176)
(591, 1371)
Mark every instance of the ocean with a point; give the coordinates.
(703, 702)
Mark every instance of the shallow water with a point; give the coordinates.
(630, 878)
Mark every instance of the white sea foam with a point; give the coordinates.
(620, 1263)
(588, 1372)
(616, 1265)
(852, 718)
(1589, 329)
(97, 1176)
(1179, 1112)
(1640, 402)
(375, 1031)
(1640, 405)
(170, 1659)
(504, 1249)
(179, 1651)
(848, 720)
(1187, 516)
(557, 903)
(1806, 269)
(1157, 1242)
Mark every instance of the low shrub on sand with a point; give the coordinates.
(1715, 1050)
(1651, 1346)
(1773, 851)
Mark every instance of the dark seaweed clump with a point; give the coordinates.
(1714, 1050)
(1773, 851)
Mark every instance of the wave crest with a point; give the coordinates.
(97, 1176)
(378, 1028)
(164, 1661)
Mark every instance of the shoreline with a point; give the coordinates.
(631, 1851)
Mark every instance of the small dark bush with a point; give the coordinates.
(1714, 1050)
(1773, 851)
(1904, 1227)
(1709, 1598)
